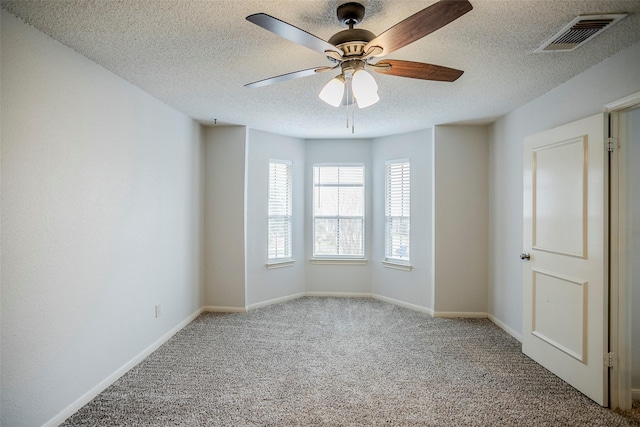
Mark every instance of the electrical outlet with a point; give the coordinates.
(157, 310)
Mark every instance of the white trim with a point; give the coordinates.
(621, 392)
(284, 162)
(504, 327)
(396, 265)
(221, 309)
(343, 261)
(274, 301)
(338, 294)
(410, 306)
(402, 160)
(102, 385)
(460, 314)
(279, 264)
(623, 103)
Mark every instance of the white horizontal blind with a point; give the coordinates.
(280, 207)
(397, 210)
(338, 211)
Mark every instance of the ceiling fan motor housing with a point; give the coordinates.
(352, 41)
(350, 14)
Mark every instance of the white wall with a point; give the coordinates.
(412, 287)
(224, 234)
(582, 96)
(101, 220)
(267, 285)
(337, 278)
(460, 219)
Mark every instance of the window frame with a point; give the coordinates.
(390, 260)
(338, 258)
(287, 258)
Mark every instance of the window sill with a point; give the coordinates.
(280, 264)
(396, 265)
(342, 261)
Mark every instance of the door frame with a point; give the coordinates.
(620, 392)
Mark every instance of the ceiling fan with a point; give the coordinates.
(354, 50)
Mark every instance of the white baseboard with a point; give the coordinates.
(338, 294)
(635, 394)
(100, 387)
(88, 396)
(275, 301)
(460, 314)
(506, 328)
(403, 304)
(221, 309)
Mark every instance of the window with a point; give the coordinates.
(280, 209)
(338, 211)
(397, 211)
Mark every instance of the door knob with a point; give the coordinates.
(525, 256)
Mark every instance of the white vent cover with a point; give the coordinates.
(579, 31)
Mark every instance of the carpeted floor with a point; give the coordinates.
(342, 362)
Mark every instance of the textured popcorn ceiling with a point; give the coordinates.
(197, 55)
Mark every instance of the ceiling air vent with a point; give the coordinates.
(579, 31)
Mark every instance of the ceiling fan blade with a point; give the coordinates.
(419, 25)
(292, 33)
(289, 76)
(417, 70)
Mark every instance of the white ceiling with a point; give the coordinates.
(197, 55)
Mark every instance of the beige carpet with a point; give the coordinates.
(341, 362)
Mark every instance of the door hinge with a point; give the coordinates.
(611, 143)
(609, 360)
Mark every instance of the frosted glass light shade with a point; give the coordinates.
(365, 88)
(367, 100)
(333, 91)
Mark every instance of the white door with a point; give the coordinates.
(564, 280)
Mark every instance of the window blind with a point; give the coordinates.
(397, 210)
(280, 208)
(338, 211)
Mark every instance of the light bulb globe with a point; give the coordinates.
(365, 88)
(333, 92)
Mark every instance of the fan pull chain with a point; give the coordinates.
(350, 105)
(348, 87)
(353, 112)
(353, 119)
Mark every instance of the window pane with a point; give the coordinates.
(397, 238)
(339, 237)
(351, 201)
(279, 237)
(338, 201)
(338, 174)
(351, 233)
(338, 209)
(397, 210)
(325, 201)
(326, 237)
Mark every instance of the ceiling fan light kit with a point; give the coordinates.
(355, 49)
